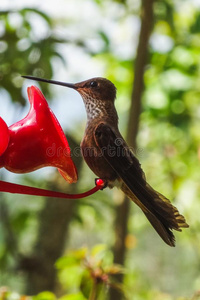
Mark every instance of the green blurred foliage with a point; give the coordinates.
(83, 274)
(85, 271)
(168, 148)
(23, 51)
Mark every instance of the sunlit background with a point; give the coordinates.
(72, 41)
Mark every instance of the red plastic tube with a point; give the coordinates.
(14, 188)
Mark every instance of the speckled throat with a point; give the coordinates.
(97, 109)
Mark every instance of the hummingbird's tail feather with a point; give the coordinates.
(160, 212)
(162, 215)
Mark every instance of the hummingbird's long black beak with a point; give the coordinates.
(70, 85)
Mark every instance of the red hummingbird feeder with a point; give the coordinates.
(35, 142)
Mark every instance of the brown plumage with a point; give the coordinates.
(110, 158)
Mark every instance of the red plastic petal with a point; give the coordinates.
(4, 136)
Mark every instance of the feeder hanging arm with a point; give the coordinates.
(14, 188)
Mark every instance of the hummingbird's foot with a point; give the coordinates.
(101, 182)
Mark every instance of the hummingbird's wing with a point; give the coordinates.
(160, 212)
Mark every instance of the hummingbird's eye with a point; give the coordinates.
(93, 84)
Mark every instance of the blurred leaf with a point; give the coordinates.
(86, 284)
(77, 296)
(98, 249)
(114, 269)
(45, 296)
(42, 14)
(71, 276)
(195, 27)
(72, 258)
(105, 39)
(66, 261)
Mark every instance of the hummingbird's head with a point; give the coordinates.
(97, 89)
(98, 95)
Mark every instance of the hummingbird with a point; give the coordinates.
(111, 159)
